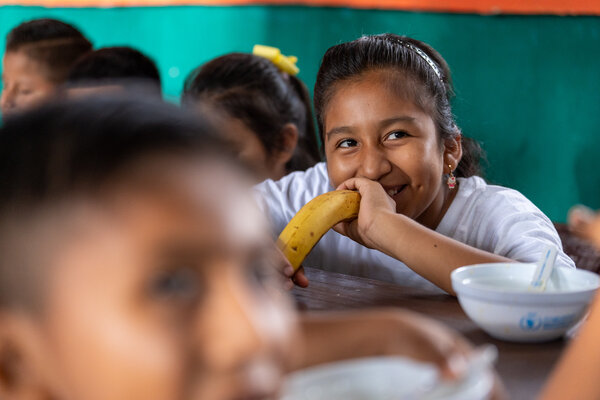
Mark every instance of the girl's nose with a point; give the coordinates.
(374, 163)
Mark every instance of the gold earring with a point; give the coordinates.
(451, 179)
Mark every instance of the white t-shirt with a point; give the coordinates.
(492, 218)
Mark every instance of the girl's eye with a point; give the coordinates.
(397, 135)
(180, 283)
(347, 143)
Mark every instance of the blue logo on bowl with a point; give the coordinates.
(530, 322)
(533, 322)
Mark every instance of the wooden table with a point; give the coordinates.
(523, 367)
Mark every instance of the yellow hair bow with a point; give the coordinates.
(284, 63)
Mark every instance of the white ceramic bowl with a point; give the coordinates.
(384, 378)
(496, 297)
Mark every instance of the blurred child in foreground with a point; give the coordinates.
(37, 59)
(133, 265)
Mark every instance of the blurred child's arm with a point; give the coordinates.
(576, 375)
(585, 223)
(427, 252)
(335, 336)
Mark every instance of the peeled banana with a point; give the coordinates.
(313, 220)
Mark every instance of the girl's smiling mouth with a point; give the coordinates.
(392, 191)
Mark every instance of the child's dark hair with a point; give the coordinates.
(114, 65)
(53, 43)
(57, 153)
(252, 89)
(413, 60)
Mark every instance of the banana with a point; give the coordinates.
(313, 220)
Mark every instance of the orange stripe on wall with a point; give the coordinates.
(564, 7)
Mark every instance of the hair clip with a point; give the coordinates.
(283, 63)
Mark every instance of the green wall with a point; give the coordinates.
(527, 86)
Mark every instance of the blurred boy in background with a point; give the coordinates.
(38, 57)
(114, 69)
(133, 265)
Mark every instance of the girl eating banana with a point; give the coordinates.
(384, 114)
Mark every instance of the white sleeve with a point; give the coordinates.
(281, 200)
(274, 205)
(517, 229)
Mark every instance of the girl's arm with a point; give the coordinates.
(427, 252)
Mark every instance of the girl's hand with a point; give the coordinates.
(295, 278)
(291, 278)
(374, 203)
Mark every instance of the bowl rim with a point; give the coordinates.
(511, 296)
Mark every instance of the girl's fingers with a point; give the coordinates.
(365, 187)
(300, 278)
(297, 278)
(340, 228)
(347, 185)
(355, 184)
(288, 271)
(289, 284)
(292, 277)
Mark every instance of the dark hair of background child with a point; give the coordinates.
(114, 64)
(52, 43)
(66, 149)
(252, 89)
(347, 61)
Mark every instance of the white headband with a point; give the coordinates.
(425, 57)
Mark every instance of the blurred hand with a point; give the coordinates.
(291, 278)
(426, 340)
(374, 201)
(295, 278)
(585, 223)
(333, 336)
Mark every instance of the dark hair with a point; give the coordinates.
(114, 65)
(53, 43)
(417, 63)
(55, 153)
(252, 89)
